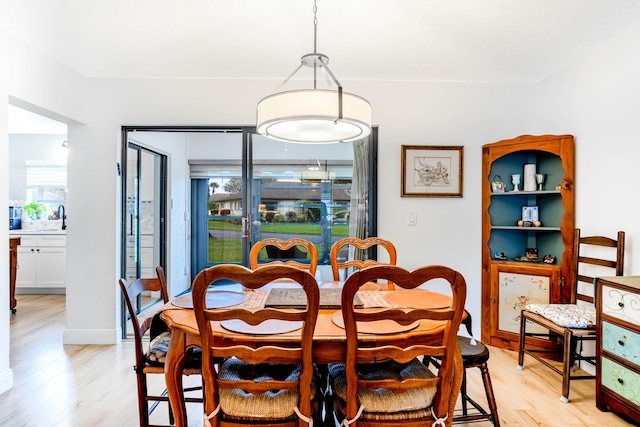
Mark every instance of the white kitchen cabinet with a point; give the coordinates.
(42, 262)
(147, 256)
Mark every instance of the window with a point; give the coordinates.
(46, 183)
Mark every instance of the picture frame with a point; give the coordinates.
(431, 171)
(530, 213)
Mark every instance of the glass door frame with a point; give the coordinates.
(161, 191)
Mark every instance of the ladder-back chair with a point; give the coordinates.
(570, 325)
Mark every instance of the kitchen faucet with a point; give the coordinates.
(64, 217)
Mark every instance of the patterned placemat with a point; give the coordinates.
(374, 299)
(296, 298)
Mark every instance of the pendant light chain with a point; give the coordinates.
(315, 26)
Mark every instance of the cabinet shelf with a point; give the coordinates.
(527, 229)
(527, 193)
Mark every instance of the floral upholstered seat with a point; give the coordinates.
(566, 315)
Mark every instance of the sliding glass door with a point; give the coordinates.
(226, 188)
(143, 218)
(262, 188)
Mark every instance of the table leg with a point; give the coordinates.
(173, 376)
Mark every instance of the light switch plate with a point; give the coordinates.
(412, 218)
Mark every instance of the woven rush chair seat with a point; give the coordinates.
(566, 315)
(272, 405)
(383, 404)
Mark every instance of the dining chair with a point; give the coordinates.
(474, 355)
(285, 252)
(151, 360)
(341, 251)
(569, 326)
(268, 385)
(384, 383)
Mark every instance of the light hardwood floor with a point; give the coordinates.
(89, 385)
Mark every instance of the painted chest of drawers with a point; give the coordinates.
(618, 345)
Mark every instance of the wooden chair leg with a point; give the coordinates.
(491, 398)
(523, 327)
(143, 404)
(463, 394)
(566, 365)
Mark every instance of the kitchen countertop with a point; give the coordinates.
(37, 231)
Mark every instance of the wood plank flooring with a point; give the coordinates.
(78, 385)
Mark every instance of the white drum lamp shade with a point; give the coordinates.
(311, 116)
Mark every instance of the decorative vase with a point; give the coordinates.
(530, 183)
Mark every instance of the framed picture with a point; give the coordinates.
(530, 213)
(431, 171)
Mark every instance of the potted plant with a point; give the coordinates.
(34, 210)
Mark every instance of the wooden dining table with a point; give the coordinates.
(329, 340)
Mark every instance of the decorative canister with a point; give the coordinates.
(530, 177)
(497, 186)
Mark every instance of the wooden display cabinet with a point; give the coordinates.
(510, 279)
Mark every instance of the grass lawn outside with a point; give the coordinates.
(229, 250)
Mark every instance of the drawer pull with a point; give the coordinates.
(620, 381)
(621, 343)
(621, 304)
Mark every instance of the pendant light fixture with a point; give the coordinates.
(314, 116)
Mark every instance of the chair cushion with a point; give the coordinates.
(382, 400)
(272, 405)
(566, 315)
(158, 347)
(156, 355)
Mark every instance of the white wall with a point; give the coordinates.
(596, 100)
(6, 373)
(44, 86)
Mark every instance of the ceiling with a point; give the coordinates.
(413, 40)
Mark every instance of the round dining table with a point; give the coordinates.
(329, 340)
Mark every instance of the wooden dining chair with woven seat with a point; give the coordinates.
(570, 325)
(267, 385)
(295, 252)
(151, 360)
(384, 383)
(341, 252)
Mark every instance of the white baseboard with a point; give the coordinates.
(90, 336)
(6, 380)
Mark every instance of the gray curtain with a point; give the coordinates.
(359, 194)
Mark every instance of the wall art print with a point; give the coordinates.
(431, 171)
